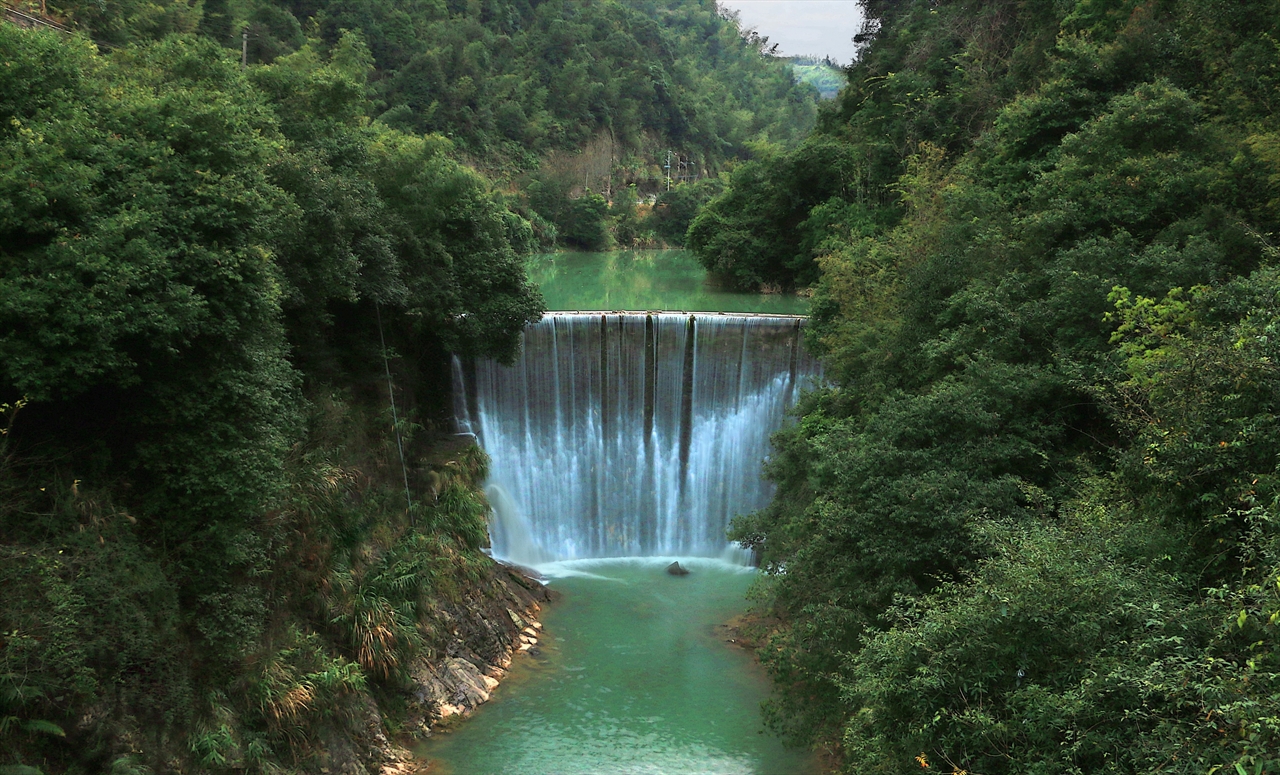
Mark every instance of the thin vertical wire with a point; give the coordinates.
(395, 420)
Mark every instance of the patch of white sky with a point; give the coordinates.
(804, 27)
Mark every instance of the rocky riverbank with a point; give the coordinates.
(488, 632)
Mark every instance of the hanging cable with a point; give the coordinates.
(395, 420)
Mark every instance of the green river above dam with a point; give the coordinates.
(645, 280)
(633, 677)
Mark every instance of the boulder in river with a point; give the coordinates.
(675, 570)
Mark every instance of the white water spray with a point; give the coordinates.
(631, 434)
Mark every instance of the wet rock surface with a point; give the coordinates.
(487, 634)
(484, 634)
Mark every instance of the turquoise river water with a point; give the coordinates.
(641, 280)
(599, 422)
(632, 678)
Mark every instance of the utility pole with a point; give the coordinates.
(668, 168)
(244, 48)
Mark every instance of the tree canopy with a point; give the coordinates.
(1029, 525)
(204, 274)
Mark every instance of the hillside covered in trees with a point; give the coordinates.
(233, 525)
(570, 102)
(208, 550)
(1032, 523)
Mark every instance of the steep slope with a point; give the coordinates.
(1031, 524)
(231, 534)
(511, 80)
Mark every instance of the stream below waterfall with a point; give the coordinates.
(632, 677)
(618, 441)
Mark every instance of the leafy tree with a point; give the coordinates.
(580, 221)
(626, 224)
(200, 266)
(1044, 296)
(136, 234)
(130, 21)
(1029, 661)
(760, 230)
(464, 280)
(674, 210)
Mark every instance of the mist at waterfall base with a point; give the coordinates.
(619, 443)
(621, 435)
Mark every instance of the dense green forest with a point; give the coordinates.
(1031, 524)
(208, 555)
(233, 520)
(568, 101)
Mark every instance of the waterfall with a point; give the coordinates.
(628, 434)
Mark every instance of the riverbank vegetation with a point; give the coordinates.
(239, 242)
(220, 541)
(1032, 523)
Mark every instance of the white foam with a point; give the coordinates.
(584, 568)
(603, 446)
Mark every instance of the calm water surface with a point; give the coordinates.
(645, 280)
(632, 680)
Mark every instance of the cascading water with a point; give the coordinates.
(631, 434)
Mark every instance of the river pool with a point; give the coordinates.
(633, 678)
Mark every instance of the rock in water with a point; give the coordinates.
(675, 570)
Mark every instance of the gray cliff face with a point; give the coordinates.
(487, 633)
(488, 630)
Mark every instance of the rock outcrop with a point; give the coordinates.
(481, 637)
(486, 635)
